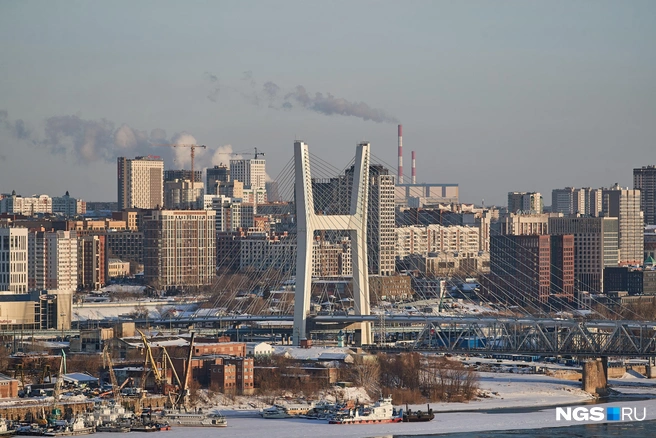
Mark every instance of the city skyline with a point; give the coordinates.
(496, 98)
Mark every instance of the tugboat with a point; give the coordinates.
(417, 416)
(381, 412)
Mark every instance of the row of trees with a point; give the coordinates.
(413, 378)
(408, 377)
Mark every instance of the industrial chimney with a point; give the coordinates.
(400, 167)
(414, 169)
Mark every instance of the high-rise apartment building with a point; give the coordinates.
(140, 182)
(644, 179)
(91, 262)
(381, 227)
(525, 202)
(584, 201)
(251, 172)
(13, 260)
(596, 245)
(218, 174)
(178, 194)
(179, 248)
(52, 260)
(173, 174)
(624, 204)
(531, 268)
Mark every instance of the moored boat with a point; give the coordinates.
(177, 418)
(380, 412)
(275, 412)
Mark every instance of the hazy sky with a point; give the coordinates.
(497, 96)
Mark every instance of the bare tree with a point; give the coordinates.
(365, 372)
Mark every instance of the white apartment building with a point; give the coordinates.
(583, 201)
(251, 172)
(179, 248)
(68, 206)
(526, 224)
(140, 182)
(437, 238)
(232, 215)
(13, 260)
(624, 204)
(53, 260)
(28, 206)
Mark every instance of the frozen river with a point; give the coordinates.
(249, 425)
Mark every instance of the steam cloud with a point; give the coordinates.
(16, 128)
(99, 140)
(326, 104)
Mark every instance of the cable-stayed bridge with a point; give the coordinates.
(527, 333)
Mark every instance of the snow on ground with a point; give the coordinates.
(512, 390)
(123, 288)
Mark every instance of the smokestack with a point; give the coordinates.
(400, 167)
(414, 169)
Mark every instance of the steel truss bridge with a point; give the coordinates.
(517, 335)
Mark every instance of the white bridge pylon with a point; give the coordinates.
(308, 222)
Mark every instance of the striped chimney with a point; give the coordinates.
(414, 169)
(400, 166)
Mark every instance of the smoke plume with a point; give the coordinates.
(330, 105)
(326, 104)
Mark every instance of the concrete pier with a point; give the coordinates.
(594, 377)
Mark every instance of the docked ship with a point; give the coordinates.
(78, 427)
(380, 412)
(275, 412)
(193, 419)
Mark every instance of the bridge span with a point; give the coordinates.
(475, 334)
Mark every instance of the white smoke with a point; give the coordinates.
(223, 155)
(182, 153)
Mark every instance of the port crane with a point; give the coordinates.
(192, 148)
(116, 389)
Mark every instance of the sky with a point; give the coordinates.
(495, 96)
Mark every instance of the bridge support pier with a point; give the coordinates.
(594, 376)
(651, 368)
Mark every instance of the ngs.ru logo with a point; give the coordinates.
(600, 414)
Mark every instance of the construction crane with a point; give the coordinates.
(255, 155)
(192, 148)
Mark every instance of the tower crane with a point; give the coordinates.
(192, 148)
(255, 155)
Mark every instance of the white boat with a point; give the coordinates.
(193, 419)
(275, 412)
(380, 412)
(4, 427)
